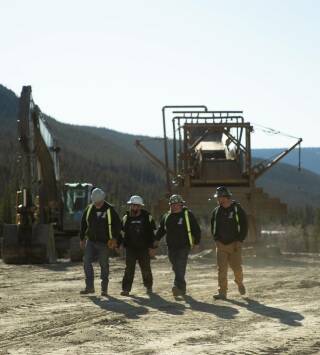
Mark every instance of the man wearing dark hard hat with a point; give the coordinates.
(138, 227)
(182, 234)
(99, 234)
(229, 228)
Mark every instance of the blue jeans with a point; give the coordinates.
(92, 251)
(179, 259)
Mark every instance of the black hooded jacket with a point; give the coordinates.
(174, 226)
(226, 227)
(138, 230)
(94, 224)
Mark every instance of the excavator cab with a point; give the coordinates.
(76, 197)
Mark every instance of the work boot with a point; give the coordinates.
(149, 291)
(177, 292)
(124, 293)
(242, 289)
(104, 293)
(220, 296)
(86, 291)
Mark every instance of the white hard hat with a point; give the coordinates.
(97, 195)
(135, 200)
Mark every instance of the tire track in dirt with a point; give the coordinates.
(54, 328)
(44, 312)
(295, 346)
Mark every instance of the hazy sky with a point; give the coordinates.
(116, 63)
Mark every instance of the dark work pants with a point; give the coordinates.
(179, 258)
(91, 252)
(143, 258)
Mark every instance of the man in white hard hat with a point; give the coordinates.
(138, 227)
(99, 234)
(182, 234)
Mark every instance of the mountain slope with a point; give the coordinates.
(109, 159)
(310, 157)
(296, 188)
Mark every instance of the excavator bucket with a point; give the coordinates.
(43, 245)
(13, 251)
(25, 245)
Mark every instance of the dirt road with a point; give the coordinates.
(42, 312)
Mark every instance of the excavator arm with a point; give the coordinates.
(39, 161)
(31, 240)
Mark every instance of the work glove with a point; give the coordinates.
(82, 244)
(156, 244)
(152, 252)
(195, 248)
(112, 243)
(238, 246)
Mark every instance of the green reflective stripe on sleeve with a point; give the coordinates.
(109, 221)
(87, 219)
(124, 220)
(165, 220)
(88, 213)
(215, 221)
(150, 218)
(186, 215)
(237, 218)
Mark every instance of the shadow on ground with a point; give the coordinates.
(157, 302)
(175, 308)
(225, 312)
(286, 317)
(118, 306)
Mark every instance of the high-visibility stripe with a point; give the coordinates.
(108, 219)
(236, 216)
(186, 215)
(109, 222)
(215, 221)
(88, 213)
(150, 218)
(165, 220)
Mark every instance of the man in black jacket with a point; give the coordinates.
(229, 228)
(138, 226)
(99, 233)
(182, 233)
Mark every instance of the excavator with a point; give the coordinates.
(48, 212)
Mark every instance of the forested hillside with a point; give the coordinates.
(103, 157)
(87, 154)
(109, 159)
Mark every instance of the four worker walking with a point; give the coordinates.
(100, 233)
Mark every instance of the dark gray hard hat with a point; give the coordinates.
(176, 199)
(222, 191)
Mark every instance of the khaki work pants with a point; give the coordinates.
(229, 254)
